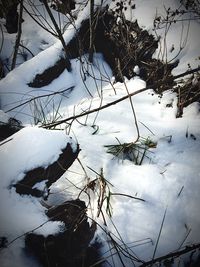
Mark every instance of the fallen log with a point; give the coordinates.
(37, 155)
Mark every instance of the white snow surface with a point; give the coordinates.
(29, 148)
(172, 167)
(168, 180)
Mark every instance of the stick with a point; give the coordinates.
(18, 38)
(171, 255)
(49, 125)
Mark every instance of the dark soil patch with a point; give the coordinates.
(70, 247)
(52, 173)
(49, 74)
(124, 45)
(9, 128)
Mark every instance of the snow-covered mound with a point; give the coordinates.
(26, 150)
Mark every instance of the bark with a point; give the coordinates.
(91, 51)
(11, 15)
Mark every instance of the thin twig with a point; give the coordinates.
(18, 38)
(38, 97)
(49, 125)
(157, 241)
(68, 64)
(91, 50)
(186, 73)
(125, 195)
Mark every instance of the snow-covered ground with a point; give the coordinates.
(21, 153)
(168, 179)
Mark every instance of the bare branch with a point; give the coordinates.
(187, 73)
(17, 43)
(39, 97)
(171, 255)
(59, 33)
(50, 125)
(91, 30)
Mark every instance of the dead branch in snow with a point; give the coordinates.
(171, 255)
(187, 73)
(41, 96)
(50, 125)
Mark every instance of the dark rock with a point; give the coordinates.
(12, 19)
(68, 248)
(50, 74)
(3, 242)
(63, 6)
(52, 173)
(8, 129)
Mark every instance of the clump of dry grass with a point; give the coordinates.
(134, 151)
(188, 91)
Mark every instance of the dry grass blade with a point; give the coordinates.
(125, 195)
(158, 238)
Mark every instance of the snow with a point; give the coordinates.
(3, 117)
(168, 179)
(25, 104)
(158, 180)
(25, 151)
(29, 148)
(177, 34)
